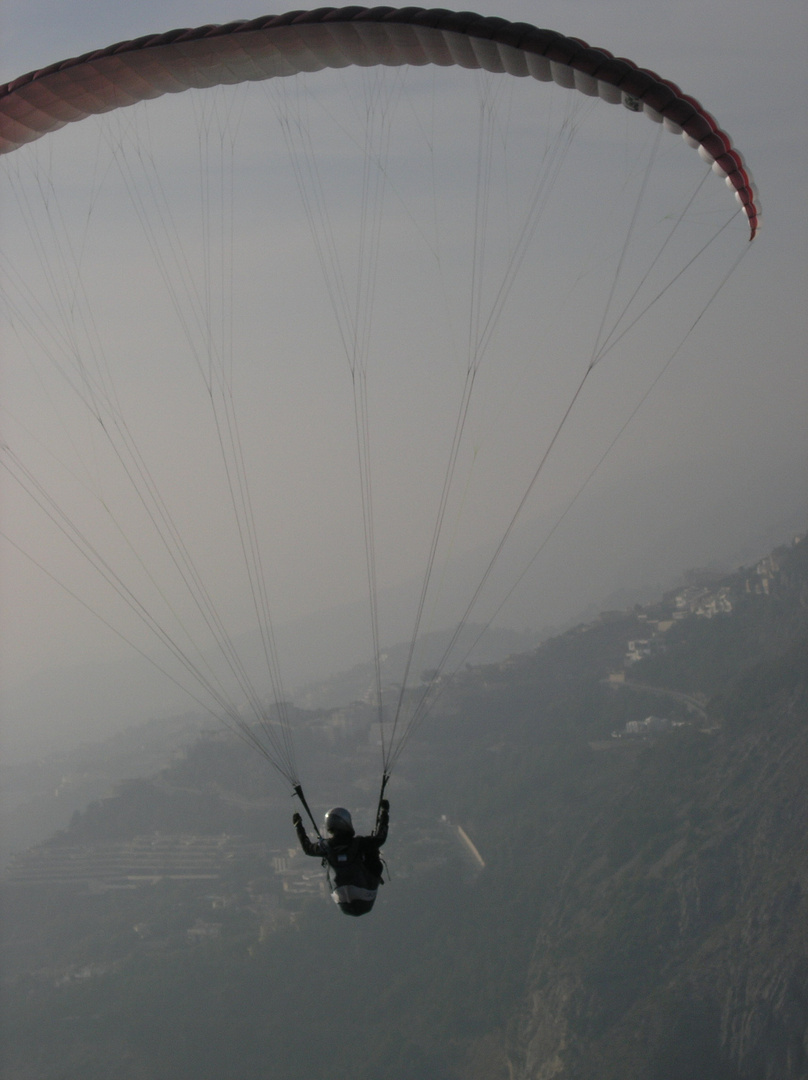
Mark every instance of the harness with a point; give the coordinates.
(370, 862)
(357, 862)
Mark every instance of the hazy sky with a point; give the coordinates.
(718, 451)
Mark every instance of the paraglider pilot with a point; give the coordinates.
(354, 861)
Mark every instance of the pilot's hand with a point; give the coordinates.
(297, 820)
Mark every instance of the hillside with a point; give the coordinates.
(641, 910)
(676, 944)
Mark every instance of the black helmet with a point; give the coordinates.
(338, 820)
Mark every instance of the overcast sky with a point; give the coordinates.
(716, 455)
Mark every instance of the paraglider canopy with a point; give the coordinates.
(280, 46)
(469, 268)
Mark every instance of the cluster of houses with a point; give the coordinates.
(147, 860)
(129, 864)
(649, 726)
(704, 600)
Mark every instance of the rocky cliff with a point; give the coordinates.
(676, 947)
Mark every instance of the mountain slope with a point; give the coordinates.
(677, 944)
(641, 910)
